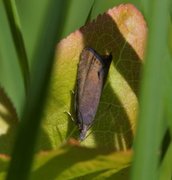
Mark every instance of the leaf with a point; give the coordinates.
(73, 162)
(122, 174)
(4, 161)
(122, 31)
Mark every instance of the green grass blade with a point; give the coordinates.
(10, 73)
(168, 89)
(24, 147)
(101, 6)
(76, 17)
(18, 40)
(150, 124)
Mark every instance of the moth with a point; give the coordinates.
(91, 76)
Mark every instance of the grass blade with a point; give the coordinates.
(24, 147)
(150, 124)
(16, 31)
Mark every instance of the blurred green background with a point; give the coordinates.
(28, 34)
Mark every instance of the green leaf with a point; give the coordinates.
(114, 127)
(4, 162)
(123, 174)
(80, 162)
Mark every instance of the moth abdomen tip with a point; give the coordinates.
(83, 132)
(82, 136)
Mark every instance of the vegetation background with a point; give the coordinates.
(28, 34)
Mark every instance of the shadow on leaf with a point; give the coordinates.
(113, 127)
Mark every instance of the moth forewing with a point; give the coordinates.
(92, 72)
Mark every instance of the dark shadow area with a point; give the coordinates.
(112, 124)
(123, 174)
(92, 175)
(4, 165)
(165, 144)
(8, 117)
(128, 65)
(9, 123)
(112, 129)
(125, 59)
(43, 142)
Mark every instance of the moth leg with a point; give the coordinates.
(73, 96)
(70, 115)
(72, 92)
